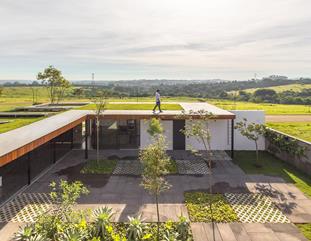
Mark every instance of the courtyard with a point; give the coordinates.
(266, 207)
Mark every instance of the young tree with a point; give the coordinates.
(253, 132)
(100, 101)
(54, 81)
(63, 85)
(155, 161)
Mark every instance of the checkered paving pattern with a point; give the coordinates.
(255, 208)
(26, 207)
(192, 167)
(128, 167)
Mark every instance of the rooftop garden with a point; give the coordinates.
(8, 124)
(134, 106)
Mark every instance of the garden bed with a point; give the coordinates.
(100, 167)
(198, 205)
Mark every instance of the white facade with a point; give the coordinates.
(145, 139)
(220, 136)
(241, 142)
(220, 133)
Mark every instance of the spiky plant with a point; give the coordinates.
(135, 229)
(102, 217)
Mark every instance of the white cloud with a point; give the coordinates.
(125, 39)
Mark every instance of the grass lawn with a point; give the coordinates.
(198, 205)
(103, 167)
(16, 123)
(274, 167)
(300, 130)
(305, 229)
(270, 109)
(133, 107)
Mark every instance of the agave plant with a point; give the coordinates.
(73, 234)
(182, 228)
(170, 235)
(102, 217)
(135, 230)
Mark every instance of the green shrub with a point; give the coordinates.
(198, 205)
(102, 167)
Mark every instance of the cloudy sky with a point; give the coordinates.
(174, 39)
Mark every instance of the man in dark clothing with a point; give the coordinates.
(158, 101)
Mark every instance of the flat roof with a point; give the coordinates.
(20, 141)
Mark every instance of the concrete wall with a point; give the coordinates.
(241, 142)
(145, 139)
(220, 136)
(302, 163)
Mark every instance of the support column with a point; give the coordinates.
(28, 168)
(86, 150)
(72, 133)
(232, 138)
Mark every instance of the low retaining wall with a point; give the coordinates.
(303, 163)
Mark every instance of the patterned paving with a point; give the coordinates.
(255, 208)
(128, 167)
(26, 207)
(192, 167)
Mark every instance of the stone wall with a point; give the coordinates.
(302, 163)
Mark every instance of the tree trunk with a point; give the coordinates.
(257, 159)
(97, 140)
(158, 217)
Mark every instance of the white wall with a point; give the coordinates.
(220, 136)
(241, 142)
(145, 139)
(220, 133)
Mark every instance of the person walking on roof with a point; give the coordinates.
(158, 101)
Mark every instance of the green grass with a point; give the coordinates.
(172, 167)
(274, 167)
(270, 109)
(111, 106)
(305, 229)
(103, 167)
(198, 205)
(300, 130)
(15, 123)
(13, 97)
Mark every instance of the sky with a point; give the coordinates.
(155, 39)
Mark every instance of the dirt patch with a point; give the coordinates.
(288, 118)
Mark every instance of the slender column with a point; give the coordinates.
(86, 150)
(28, 168)
(232, 138)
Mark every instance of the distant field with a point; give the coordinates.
(16, 123)
(133, 107)
(281, 88)
(22, 96)
(300, 130)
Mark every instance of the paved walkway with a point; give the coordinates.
(127, 198)
(246, 232)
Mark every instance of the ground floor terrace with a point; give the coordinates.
(267, 207)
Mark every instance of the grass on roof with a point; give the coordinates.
(274, 167)
(300, 130)
(14, 123)
(111, 106)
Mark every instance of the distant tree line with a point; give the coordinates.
(232, 90)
